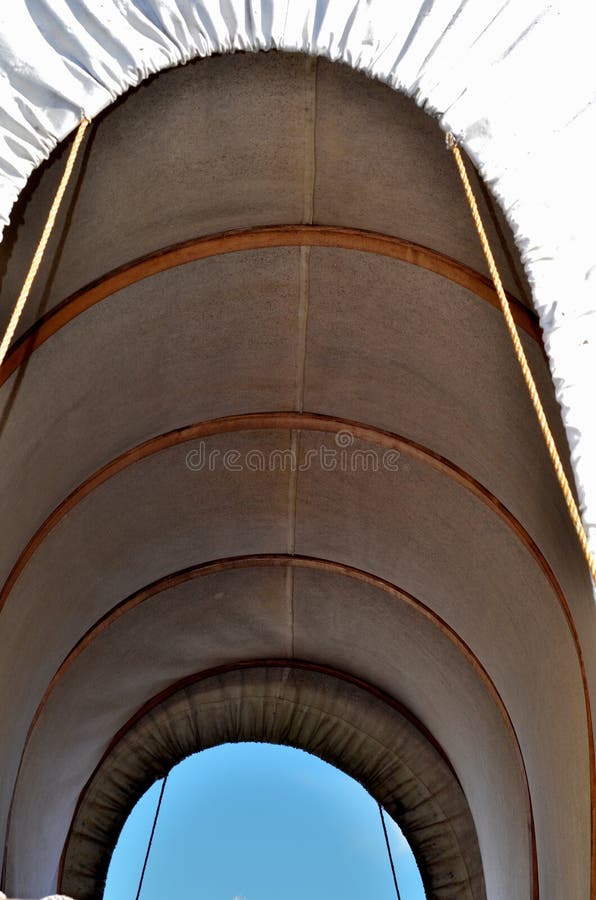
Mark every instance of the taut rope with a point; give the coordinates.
(523, 361)
(43, 241)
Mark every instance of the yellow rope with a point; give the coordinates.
(523, 361)
(45, 236)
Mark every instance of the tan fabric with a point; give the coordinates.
(343, 333)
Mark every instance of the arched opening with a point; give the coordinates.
(256, 820)
(348, 724)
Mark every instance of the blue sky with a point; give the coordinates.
(260, 822)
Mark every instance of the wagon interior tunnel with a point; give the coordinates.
(269, 472)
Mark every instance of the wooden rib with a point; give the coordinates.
(267, 560)
(279, 421)
(259, 239)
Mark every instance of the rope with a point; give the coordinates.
(45, 236)
(389, 852)
(523, 362)
(155, 818)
